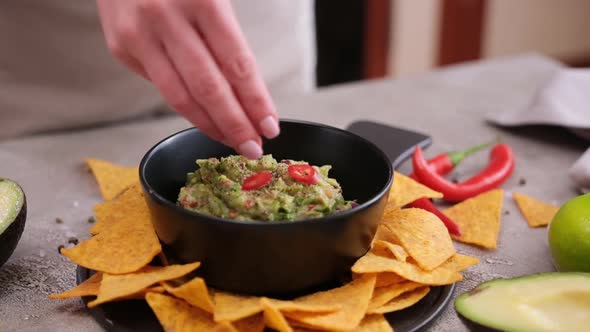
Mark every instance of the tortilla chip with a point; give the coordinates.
(129, 244)
(86, 288)
(479, 218)
(388, 249)
(194, 292)
(142, 293)
(459, 262)
(112, 179)
(371, 263)
(114, 287)
(405, 190)
(106, 214)
(353, 297)
(403, 301)
(232, 307)
(112, 212)
(250, 324)
(273, 317)
(370, 323)
(382, 295)
(177, 315)
(300, 327)
(374, 323)
(384, 234)
(295, 305)
(225, 327)
(387, 278)
(535, 212)
(156, 289)
(421, 234)
(382, 279)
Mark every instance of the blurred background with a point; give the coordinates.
(367, 39)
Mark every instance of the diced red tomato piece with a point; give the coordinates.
(249, 203)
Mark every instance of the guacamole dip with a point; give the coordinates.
(235, 187)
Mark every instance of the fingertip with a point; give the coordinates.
(270, 127)
(250, 149)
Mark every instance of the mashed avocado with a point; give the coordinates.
(237, 188)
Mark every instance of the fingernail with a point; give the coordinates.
(270, 127)
(250, 149)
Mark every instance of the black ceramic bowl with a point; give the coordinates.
(271, 258)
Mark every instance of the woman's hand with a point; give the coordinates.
(194, 52)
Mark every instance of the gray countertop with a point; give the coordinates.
(449, 105)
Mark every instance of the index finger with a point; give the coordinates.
(220, 29)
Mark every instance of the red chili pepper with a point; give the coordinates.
(302, 173)
(443, 164)
(257, 180)
(498, 170)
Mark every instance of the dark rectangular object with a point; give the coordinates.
(397, 143)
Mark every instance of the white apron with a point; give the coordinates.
(56, 73)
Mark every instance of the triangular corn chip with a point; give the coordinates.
(354, 298)
(459, 262)
(535, 212)
(273, 317)
(114, 287)
(382, 295)
(88, 287)
(403, 301)
(374, 323)
(388, 249)
(112, 179)
(177, 315)
(422, 234)
(232, 307)
(371, 263)
(405, 190)
(128, 244)
(479, 218)
(194, 292)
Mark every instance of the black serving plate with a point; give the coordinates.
(397, 144)
(136, 315)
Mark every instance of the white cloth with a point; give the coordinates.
(563, 101)
(56, 73)
(281, 34)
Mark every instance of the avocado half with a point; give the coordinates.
(544, 302)
(13, 213)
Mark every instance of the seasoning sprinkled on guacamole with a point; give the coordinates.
(235, 187)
